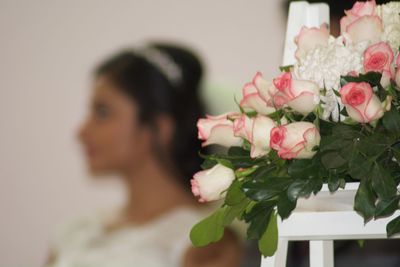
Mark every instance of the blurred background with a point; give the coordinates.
(48, 50)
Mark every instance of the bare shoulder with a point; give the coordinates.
(225, 253)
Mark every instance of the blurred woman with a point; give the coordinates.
(142, 127)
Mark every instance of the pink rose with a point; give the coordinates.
(300, 95)
(361, 103)
(254, 97)
(295, 140)
(378, 57)
(218, 130)
(210, 185)
(309, 38)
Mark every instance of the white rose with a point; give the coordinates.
(210, 185)
(295, 140)
(260, 137)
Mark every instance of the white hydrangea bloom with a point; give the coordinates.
(325, 64)
(390, 15)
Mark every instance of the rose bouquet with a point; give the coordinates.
(333, 117)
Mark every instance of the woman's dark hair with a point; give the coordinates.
(155, 94)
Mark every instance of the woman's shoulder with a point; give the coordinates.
(76, 231)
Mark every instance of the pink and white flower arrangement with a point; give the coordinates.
(336, 109)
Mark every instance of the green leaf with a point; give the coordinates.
(386, 208)
(304, 168)
(265, 189)
(375, 144)
(208, 164)
(210, 229)
(226, 163)
(285, 68)
(335, 181)
(234, 194)
(235, 211)
(262, 172)
(391, 121)
(258, 217)
(359, 166)
(364, 201)
(268, 242)
(393, 227)
(285, 205)
(237, 151)
(304, 188)
(382, 183)
(332, 160)
(333, 143)
(373, 78)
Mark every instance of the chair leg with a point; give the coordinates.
(321, 253)
(279, 259)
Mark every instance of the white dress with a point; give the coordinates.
(160, 243)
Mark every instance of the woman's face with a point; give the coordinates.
(111, 135)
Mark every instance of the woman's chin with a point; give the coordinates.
(96, 169)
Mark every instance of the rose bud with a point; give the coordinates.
(218, 130)
(211, 184)
(253, 100)
(295, 140)
(361, 103)
(301, 95)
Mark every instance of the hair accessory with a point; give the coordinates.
(164, 63)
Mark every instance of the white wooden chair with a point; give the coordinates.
(326, 217)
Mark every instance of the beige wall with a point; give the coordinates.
(47, 49)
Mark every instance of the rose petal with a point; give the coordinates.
(262, 127)
(223, 135)
(309, 38)
(365, 28)
(362, 8)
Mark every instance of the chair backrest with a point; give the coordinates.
(302, 13)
